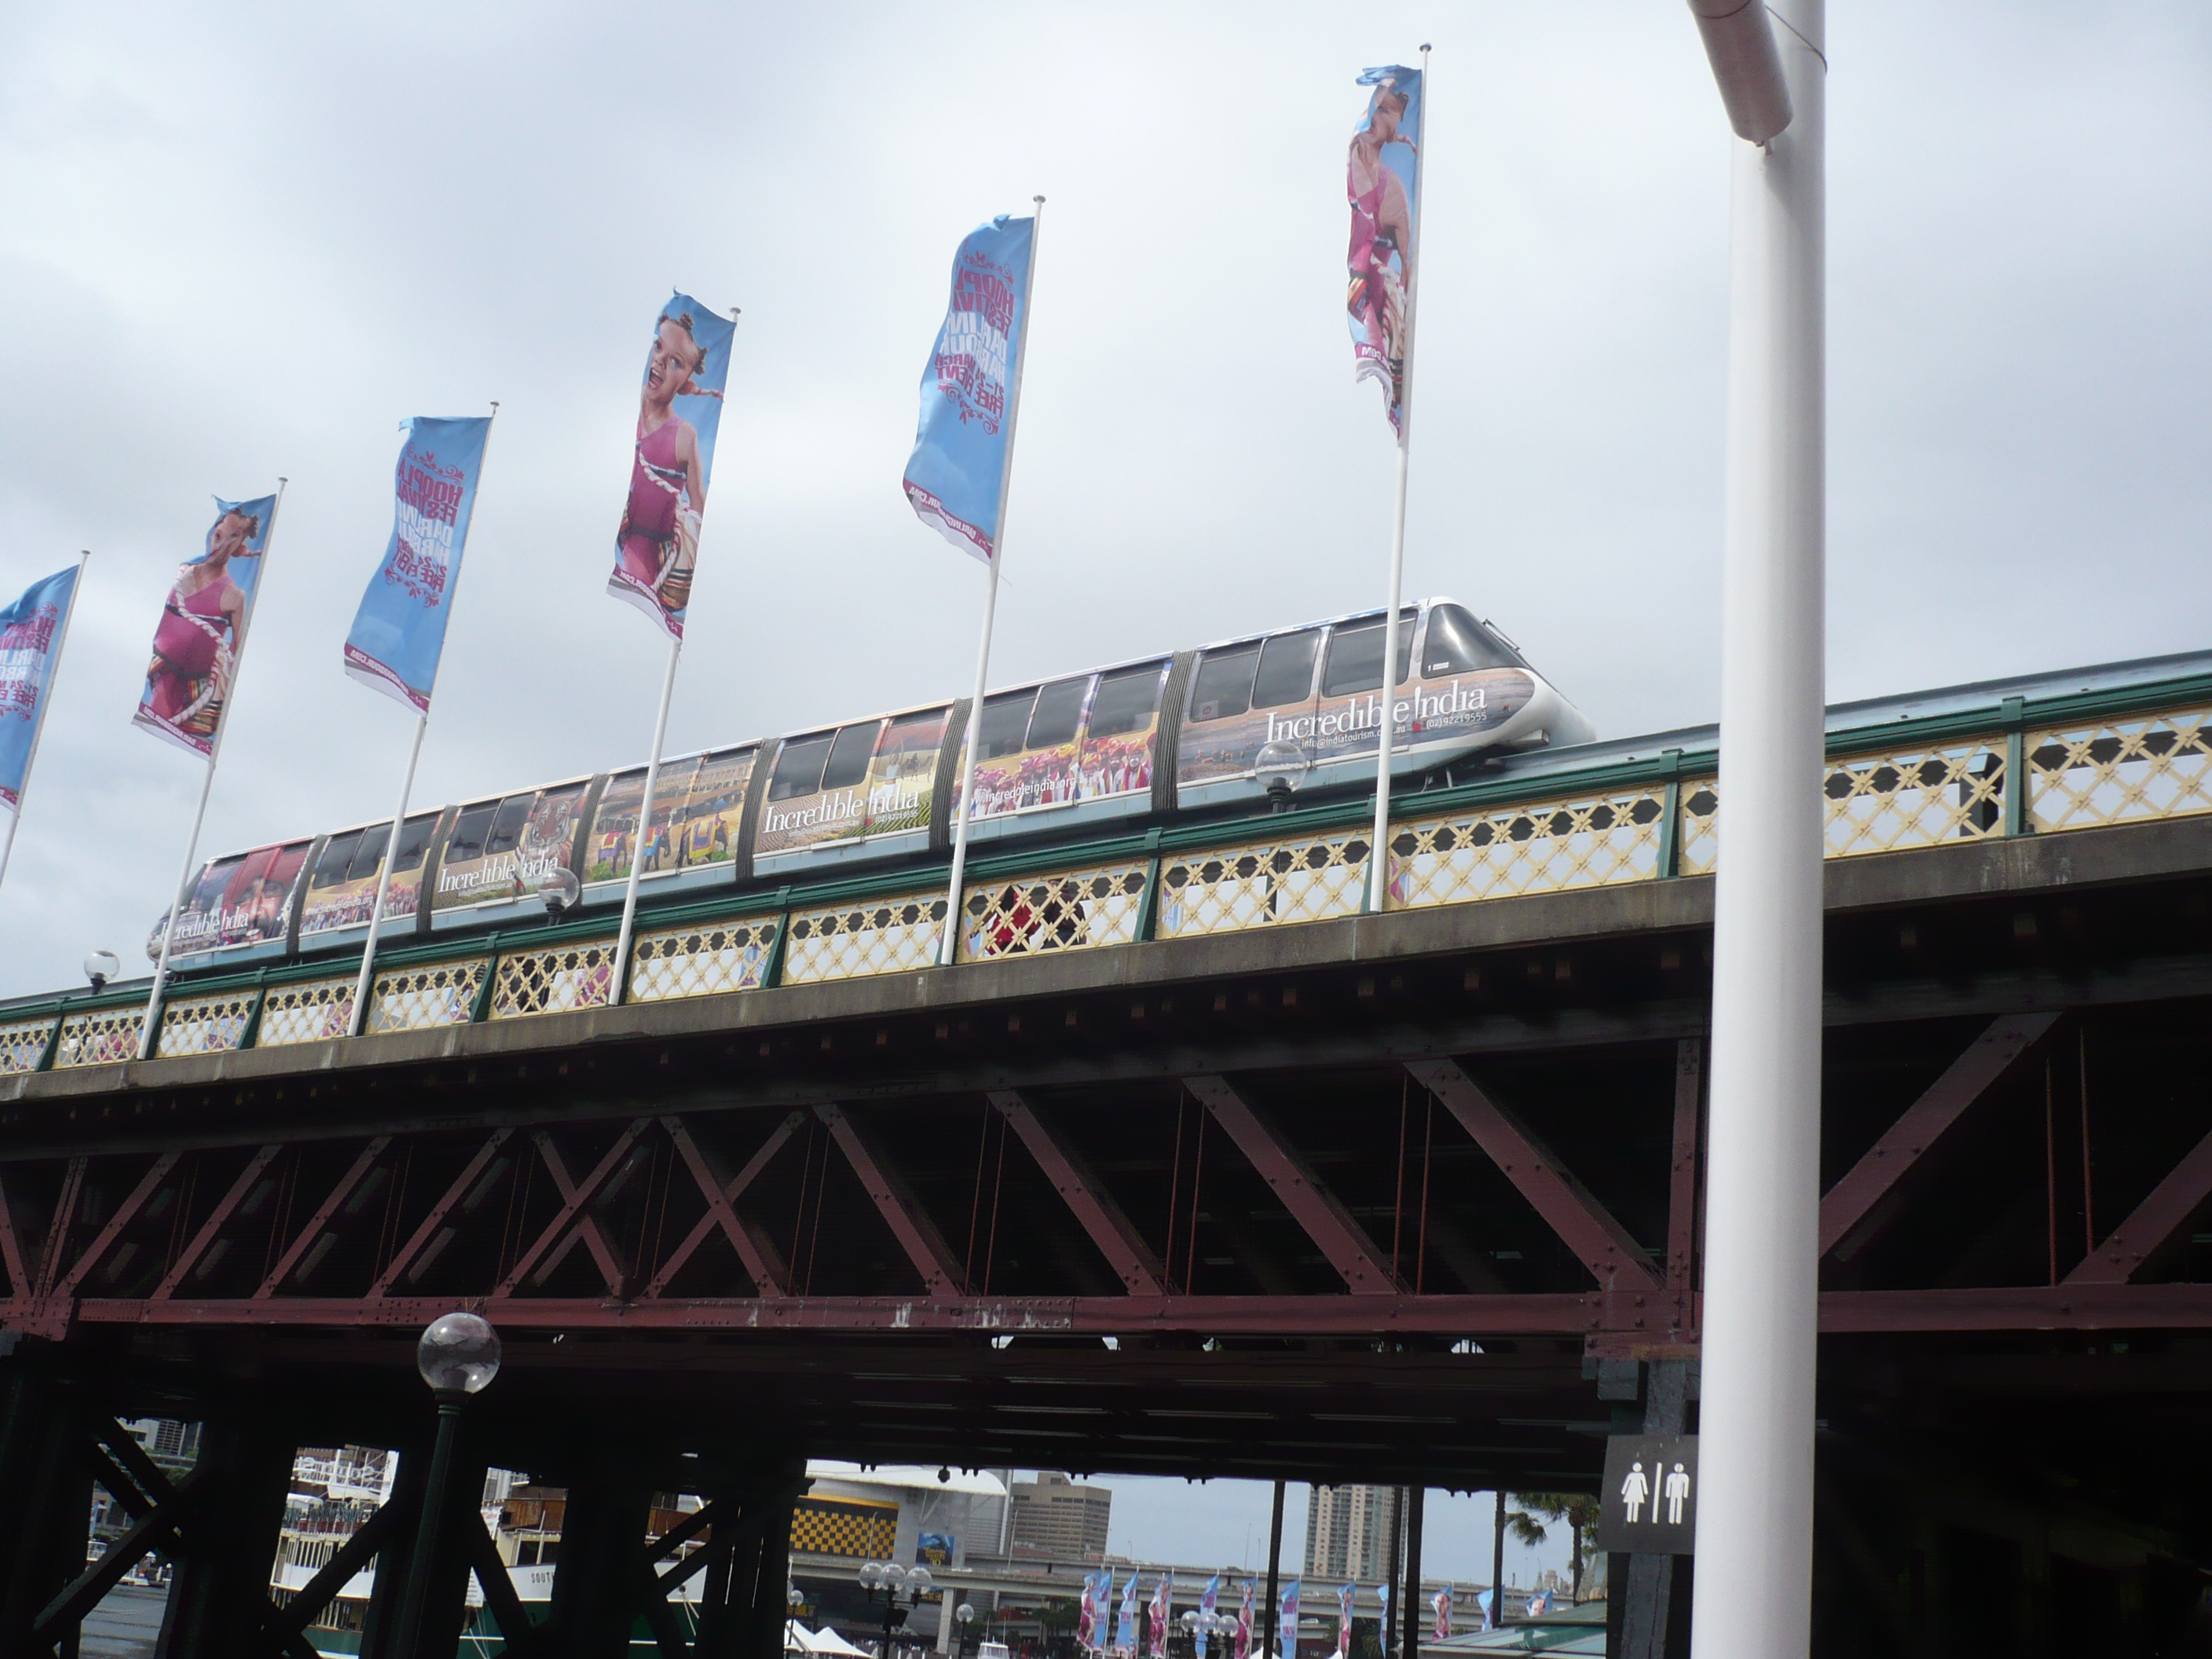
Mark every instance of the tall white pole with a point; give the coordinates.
(152, 1021)
(948, 948)
(46, 702)
(619, 990)
(1379, 857)
(357, 1020)
(1762, 1190)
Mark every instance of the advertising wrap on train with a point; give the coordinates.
(242, 899)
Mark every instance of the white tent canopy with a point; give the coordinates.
(797, 1639)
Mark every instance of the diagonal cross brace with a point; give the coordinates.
(125, 1213)
(574, 1219)
(49, 1257)
(2155, 1224)
(917, 1235)
(1086, 1197)
(433, 1223)
(762, 1262)
(354, 1175)
(1569, 1208)
(317, 1593)
(1312, 1206)
(1852, 1211)
(11, 1248)
(206, 1235)
(155, 1529)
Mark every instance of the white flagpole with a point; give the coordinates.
(949, 946)
(1378, 854)
(45, 696)
(153, 1019)
(357, 1021)
(620, 990)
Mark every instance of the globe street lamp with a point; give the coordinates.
(890, 1577)
(965, 1612)
(458, 1356)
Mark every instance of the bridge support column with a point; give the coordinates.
(770, 1609)
(221, 1592)
(35, 1492)
(1651, 1592)
(595, 1586)
(389, 1587)
(726, 1599)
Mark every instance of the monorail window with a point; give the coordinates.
(1059, 712)
(337, 858)
(414, 841)
(1355, 656)
(467, 840)
(507, 825)
(799, 768)
(1224, 686)
(1458, 644)
(1005, 723)
(1286, 669)
(1126, 701)
(850, 755)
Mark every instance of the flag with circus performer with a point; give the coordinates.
(1125, 1625)
(679, 411)
(202, 633)
(31, 632)
(1344, 1594)
(1383, 179)
(1244, 1621)
(1441, 1603)
(1161, 1609)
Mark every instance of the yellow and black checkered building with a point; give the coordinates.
(861, 1527)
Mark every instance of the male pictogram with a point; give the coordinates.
(1634, 1490)
(1677, 1489)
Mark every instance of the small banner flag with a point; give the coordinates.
(1344, 1594)
(30, 645)
(399, 632)
(1209, 1599)
(1125, 1626)
(203, 629)
(1086, 1623)
(1287, 1625)
(1383, 184)
(1244, 1622)
(1441, 1603)
(1163, 1608)
(956, 478)
(679, 413)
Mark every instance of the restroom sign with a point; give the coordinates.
(1649, 1503)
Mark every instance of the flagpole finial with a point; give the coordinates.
(1039, 200)
(1424, 49)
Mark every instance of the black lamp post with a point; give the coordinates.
(890, 1577)
(458, 1356)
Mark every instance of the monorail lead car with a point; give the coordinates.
(1297, 708)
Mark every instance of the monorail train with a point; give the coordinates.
(1293, 709)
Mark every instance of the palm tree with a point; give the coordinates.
(1578, 1510)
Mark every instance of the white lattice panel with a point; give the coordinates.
(1917, 797)
(203, 1025)
(555, 980)
(1549, 847)
(1263, 884)
(419, 999)
(1067, 911)
(309, 1012)
(699, 962)
(2120, 771)
(1699, 831)
(100, 1039)
(885, 936)
(23, 1044)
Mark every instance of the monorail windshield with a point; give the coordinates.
(1458, 644)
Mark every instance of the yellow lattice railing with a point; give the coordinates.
(203, 1025)
(419, 999)
(1592, 841)
(1260, 884)
(2120, 771)
(851, 941)
(308, 1012)
(554, 980)
(99, 1039)
(1921, 796)
(1697, 840)
(703, 961)
(23, 1044)
(1067, 911)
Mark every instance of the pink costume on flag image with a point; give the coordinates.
(195, 643)
(1382, 183)
(671, 460)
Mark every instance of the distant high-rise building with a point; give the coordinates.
(1349, 1530)
(1056, 1520)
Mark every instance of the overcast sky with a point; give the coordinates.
(242, 242)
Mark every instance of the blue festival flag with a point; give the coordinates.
(1384, 184)
(202, 633)
(1286, 1628)
(399, 633)
(1208, 1600)
(957, 475)
(31, 632)
(679, 410)
(1125, 1626)
(1344, 1594)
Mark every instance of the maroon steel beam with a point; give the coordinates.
(189, 1257)
(1682, 1180)
(1080, 1189)
(909, 1223)
(2155, 1224)
(1852, 1210)
(298, 1247)
(574, 1220)
(2019, 1308)
(763, 1262)
(50, 1255)
(11, 1247)
(125, 1213)
(1568, 1207)
(433, 1222)
(1313, 1206)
